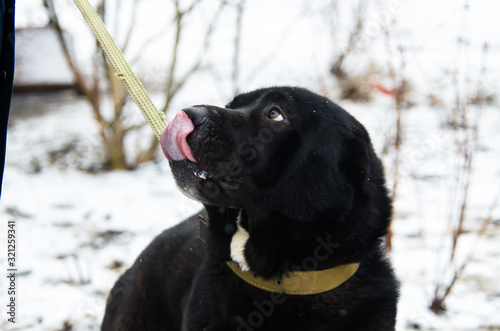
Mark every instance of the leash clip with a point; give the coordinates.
(202, 228)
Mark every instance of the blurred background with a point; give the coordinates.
(89, 188)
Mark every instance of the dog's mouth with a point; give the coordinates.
(173, 139)
(174, 145)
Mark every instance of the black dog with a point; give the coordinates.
(295, 197)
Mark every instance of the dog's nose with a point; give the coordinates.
(198, 115)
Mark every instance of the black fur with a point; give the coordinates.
(310, 183)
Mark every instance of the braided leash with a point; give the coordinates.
(155, 118)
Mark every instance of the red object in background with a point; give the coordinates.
(379, 87)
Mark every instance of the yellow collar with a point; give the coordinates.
(297, 282)
(300, 282)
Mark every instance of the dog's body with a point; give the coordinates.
(296, 177)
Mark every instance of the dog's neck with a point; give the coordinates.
(256, 244)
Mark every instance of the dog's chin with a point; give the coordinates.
(200, 185)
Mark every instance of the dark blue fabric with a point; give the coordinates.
(2, 12)
(6, 75)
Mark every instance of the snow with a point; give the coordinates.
(77, 232)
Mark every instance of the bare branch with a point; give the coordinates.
(466, 131)
(437, 304)
(191, 7)
(237, 46)
(135, 127)
(171, 71)
(91, 91)
(54, 21)
(114, 129)
(354, 38)
(181, 81)
(134, 59)
(173, 86)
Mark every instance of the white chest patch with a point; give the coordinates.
(238, 243)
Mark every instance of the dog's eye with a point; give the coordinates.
(275, 114)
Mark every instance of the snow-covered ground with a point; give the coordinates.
(76, 232)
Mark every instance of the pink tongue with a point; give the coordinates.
(173, 138)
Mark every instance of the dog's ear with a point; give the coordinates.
(239, 101)
(357, 157)
(247, 99)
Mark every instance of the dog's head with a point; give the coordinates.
(281, 149)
